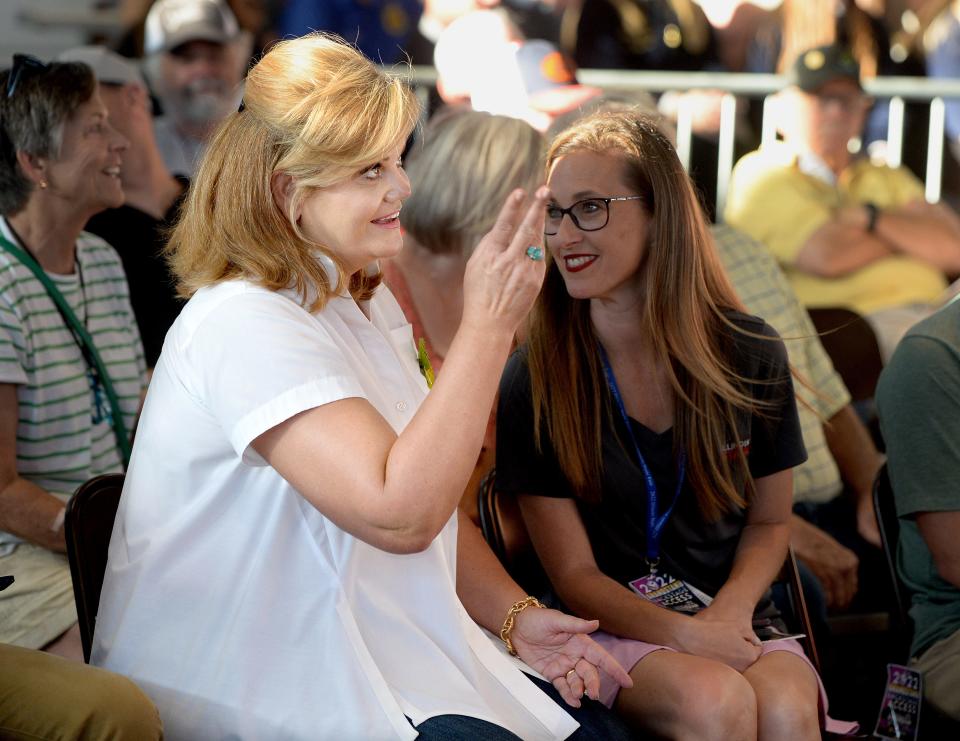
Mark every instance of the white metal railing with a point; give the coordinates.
(897, 90)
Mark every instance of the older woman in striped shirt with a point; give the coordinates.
(71, 361)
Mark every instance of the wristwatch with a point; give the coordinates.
(873, 213)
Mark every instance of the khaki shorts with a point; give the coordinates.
(39, 606)
(940, 667)
(47, 697)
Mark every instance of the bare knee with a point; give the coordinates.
(787, 700)
(718, 703)
(689, 698)
(788, 716)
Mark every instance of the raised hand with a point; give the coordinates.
(557, 646)
(501, 280)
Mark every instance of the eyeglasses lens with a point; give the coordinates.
(587, 215)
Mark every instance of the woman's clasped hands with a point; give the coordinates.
(725, 635)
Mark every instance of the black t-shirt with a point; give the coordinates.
(139, 238)
(692, 549)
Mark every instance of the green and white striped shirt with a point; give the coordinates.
(59, 446)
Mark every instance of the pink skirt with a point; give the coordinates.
(630, 652)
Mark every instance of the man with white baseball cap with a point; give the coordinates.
(482, 59)
(152, 196)
(195, 56)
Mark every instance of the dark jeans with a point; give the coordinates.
(596, 722)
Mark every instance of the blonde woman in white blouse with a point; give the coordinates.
(287, 561)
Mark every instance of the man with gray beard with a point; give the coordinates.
(196, 55)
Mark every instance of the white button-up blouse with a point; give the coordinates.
(235, 604)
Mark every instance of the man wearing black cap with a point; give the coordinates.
(848, 232)
(196, 55)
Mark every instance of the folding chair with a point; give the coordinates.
(88, 525)
(933, 725)
(502, 526)
(885, 509)
(852, 346)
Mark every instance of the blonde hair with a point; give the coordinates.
(686, 295)
(317, 110)
(461, 174)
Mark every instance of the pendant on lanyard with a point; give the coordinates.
(655, 522)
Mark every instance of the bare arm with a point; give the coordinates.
(564, 548)
(858, 460)
(837, 248)
(834, 565)
(396, 492)
(939, 531)
(762, 547)
(551, 642)
(483, 585)
(26, 510)
(928, 232)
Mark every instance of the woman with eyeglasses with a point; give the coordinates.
(71, 361)
(648, 428)
(287, 560)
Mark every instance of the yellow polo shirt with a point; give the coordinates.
(776, 203)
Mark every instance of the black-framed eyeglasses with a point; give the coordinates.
(588, 215)
(23, 64)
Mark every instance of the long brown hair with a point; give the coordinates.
(316, 109)
(686, 294)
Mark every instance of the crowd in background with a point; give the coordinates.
(99, 161)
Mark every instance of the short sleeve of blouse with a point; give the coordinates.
(257, 359)
(521, 467)
(776, 442)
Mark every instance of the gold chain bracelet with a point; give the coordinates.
(508, 622)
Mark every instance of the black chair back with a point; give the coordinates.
(852, 346)
(502, 527)
(885, 509)
(800, 616)
(88, 525)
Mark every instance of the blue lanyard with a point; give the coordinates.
(655, 523)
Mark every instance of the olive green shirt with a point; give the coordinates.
(919, 402)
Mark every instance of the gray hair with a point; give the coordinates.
(468, 164)
(32, 121)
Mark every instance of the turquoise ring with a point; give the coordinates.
(535, 253)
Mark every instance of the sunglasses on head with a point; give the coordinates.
(23, 65)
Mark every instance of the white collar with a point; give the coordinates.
(814, 166)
